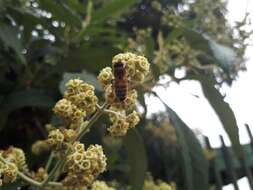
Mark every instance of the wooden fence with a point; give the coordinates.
(226, 168)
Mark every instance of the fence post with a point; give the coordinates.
(244, 162)
(214, 169)
(229, 163)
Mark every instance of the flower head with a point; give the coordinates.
(84, 165)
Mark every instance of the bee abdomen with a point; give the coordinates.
(119, 71)
(121, 90)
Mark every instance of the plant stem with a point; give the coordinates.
(92, 121)
(28, 179)
(86, 21)
(52, 173)
(114, 113)
(50, 159)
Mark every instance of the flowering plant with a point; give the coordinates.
(78, 110)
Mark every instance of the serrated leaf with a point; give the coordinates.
(136, 157)
(84, 75)
(223, 111)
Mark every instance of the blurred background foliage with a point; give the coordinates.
(46, 42)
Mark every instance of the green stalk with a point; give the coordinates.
(50, 159)
(28, 179)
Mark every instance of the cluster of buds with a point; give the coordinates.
(150, 184)
(16, 156)
(79, 100)
(122, 122)
(60, 139)
(135, 68)
(172, 18)
(83, 166)
(40, 175)
(14, 161)
(176, 54)
(139, 43)
(101, 185)
(8, 173)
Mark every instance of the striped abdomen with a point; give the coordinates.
(120, 81)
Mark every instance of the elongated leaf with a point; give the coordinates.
(136, 159)
(223, 111)
(112, 8)
(224, 55)
(194, 164)
(84, 75)
(30, 98)
(13, 186)
(192, 152)
(61, 12)
(9, 36)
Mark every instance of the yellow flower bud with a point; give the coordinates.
(133, 119)
(84, 165)
(135, 64)
(39, 147)
(10, 173)
(105, 76)
(100, 185)
(55, 137)
(63, 108)
(119, 128)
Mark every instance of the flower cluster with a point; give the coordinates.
(14, 160)
(136, 68)
(150, 184)
(178, 53)
(84, 166)
(100, 185)
(79, 109)
(122, 122)
(60, 139)
(8, 173)
(16, 156)
(79, 100)
(40, 175)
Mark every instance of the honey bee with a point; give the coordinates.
(120, 81)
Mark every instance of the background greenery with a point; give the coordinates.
(44, 43)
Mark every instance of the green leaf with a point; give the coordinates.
(112, 8)
(61, 11)
(26, 98)
(225, 56)
(136, 157)
(194, 164)
(84, 75)
(197, 40)
(9, 36)
(223, 111)
(12, 186)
